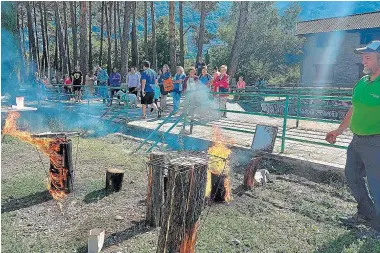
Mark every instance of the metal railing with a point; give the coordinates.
(285, 99)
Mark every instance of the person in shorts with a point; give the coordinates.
(77, 78)
(148, 81)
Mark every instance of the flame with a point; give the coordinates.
(218, 164)
(48, 146)
(188, 244)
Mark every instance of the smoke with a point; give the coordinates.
(200, 103)
(50, 115)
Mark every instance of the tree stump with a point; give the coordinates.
(186, 189)
(114, 180)
(249, 175)
(155, 196)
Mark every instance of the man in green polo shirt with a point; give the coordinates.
(363, 153)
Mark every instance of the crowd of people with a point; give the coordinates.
(150, 87)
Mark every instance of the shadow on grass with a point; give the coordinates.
(11, 204)
(139, 227)
(95, 196)
(345, 242)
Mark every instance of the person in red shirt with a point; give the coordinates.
(221, 85)
(67, 85)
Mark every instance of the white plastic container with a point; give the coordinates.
(20, 102)
(96, 240)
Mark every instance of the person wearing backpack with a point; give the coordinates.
(205, 78)
(167, 78)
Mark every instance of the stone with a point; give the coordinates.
(118, 217)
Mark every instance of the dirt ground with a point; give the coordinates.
(293, 213)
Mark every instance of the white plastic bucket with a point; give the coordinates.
(20, 102)
(96, 240)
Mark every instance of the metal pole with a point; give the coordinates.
(284, 124)
(298, 107)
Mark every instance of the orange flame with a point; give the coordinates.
(188, 244)
(48, 146)
(218, 163)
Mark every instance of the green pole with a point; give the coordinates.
(284, 124)
(298, 107)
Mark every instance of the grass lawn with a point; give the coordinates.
(291, 214)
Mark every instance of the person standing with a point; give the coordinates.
(67, 86)
(199, 66)
(221, 84)
(133, 81)
(77, 78)
(148, 81)
(90, 83)
(102, 83)
(205, 78)
(115, 79)
(176, 93)
(240, 86)
(363, 153)
(164, 93)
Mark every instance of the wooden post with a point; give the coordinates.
(114, 179)
(249, 175)
(186, 190)
(155, 198)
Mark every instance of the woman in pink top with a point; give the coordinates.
(221, 85)
(67, 85)
(240, 84)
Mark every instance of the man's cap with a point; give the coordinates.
(372, 47)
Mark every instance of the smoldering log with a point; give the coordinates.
(114, 180)
(218, 191)
(249, 175)
(186, 189)
(155, 196)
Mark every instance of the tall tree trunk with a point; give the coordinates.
(19, 46)
(47, 40)
(44, 54)
(89, 36)
(119, 30)
(66, 38)
(146, 30)
(108, 24)
(61, 40)
(101, 36)
(125, 40)
(37, 44)
(83, 39)
(115, 32)
(135, 53)
(154, 49)
(23, 34)
(56, 50)
(238, 41)
(19, 28)
(32, 42)
(201, 33)
(73, 12)
(172, 37)
(181, 42)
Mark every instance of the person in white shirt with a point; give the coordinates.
(133, 81)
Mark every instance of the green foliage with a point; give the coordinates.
(292, 76)
(8, 16)
(271, 41)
